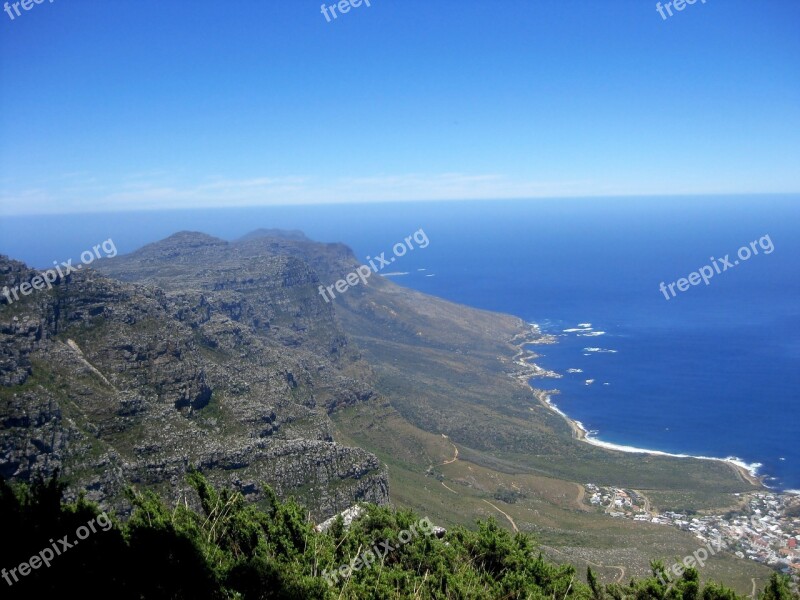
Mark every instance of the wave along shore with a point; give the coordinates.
(531, 370)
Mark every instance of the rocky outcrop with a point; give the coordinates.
(194, 355)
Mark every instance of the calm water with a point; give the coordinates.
(712, 372)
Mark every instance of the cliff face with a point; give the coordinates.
(223, 361)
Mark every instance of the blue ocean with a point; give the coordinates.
(711, 371)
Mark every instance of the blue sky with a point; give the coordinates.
(137, 104)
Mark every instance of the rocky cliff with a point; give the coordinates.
(221, 360)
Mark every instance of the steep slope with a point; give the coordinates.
(442, 401)
(460, 430)
(447, 369)
(113, 382)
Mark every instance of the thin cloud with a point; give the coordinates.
(155, 190)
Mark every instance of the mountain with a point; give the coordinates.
(293, 234)
(113, 383)
(199, 352)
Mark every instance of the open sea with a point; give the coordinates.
(713, 371)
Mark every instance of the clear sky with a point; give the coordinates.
(132, 104)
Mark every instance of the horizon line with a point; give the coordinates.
(390, 202)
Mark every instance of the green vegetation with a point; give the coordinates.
(227, 548)
(425, 477)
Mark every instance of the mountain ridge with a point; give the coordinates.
(338, 402)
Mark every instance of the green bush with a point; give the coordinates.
(232, 549)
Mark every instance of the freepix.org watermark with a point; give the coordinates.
(678, 5)
(697, 558)
(49, 277)
(63, 544)
(344, 7)
(368, 557)
(720, 265)
(25, 4)
(363, 272)
(701, 555)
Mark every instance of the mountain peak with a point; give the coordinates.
(285, 234)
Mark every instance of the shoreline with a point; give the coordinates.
(748, 472)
